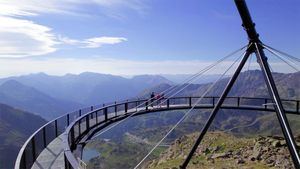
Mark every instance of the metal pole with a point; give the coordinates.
(253, 36)
(284, 124)
(218, 106)
(248, 24)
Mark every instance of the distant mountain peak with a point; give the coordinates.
(12, 84)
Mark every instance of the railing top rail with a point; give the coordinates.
(22, 150)
(110, 105)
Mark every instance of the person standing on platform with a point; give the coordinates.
(152, 98)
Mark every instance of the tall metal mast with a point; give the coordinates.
(255, 46)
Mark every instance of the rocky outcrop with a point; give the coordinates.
(221, 150)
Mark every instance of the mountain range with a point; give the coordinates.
(179, 78)
(51, 96)
(249, 84)
(86, 87)
(15, 127)
(30, 99)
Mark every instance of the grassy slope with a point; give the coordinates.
(174, 156)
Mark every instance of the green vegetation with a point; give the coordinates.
(220, 150)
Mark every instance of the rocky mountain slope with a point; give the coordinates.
(89, 88)
(30, 99)
(249, 84)
(15, 127)
(220, 150)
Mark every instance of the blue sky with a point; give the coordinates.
(134, 36)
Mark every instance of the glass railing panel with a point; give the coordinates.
(93, 118)
(111, 112)
(82, 123)
(100, 116)
(204, 101)
(76, 128)
(39, 142)
(289, 105)
(29, 155)
(50, 133)
(132, 105)
(121, 109)
(254, 102)
(61, 124)
(230, 101)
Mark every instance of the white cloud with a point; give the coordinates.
(35, 7)
(95, 42)
(21, 38)
(67, 40)
(99, 41)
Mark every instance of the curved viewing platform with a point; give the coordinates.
(54, 143)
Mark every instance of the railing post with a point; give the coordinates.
(126, 107)
(92, 108)
(96, 117)
(87, 122)
(213, 101)
(66, 162)
(79, 112)
(56, 128)
(168, 103)
(23, 161)
(44, 137)
(190, 101)
(33, 149)
(297, 107)
(105, 113)
(68, 119)
(79, 127)
(238, 101)
(266, 103)
(72, 137)
(146, 105)
(116, 109)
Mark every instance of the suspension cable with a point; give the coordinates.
(250, 60)
(121, 121)
(186, 113)
(282, 59)
(200, 73)
(185, 83)
(193, 77)
(283, 53)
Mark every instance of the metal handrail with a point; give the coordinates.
(70, 159)
(29, 153)
(24, 162)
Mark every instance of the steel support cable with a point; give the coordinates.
(249, 64)
(282, 59)
(281, 116)
(186, 82)
(202, 72)
(186, 113)
(193, 77)
(119, 122)
(218, 105)
(283, 53)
